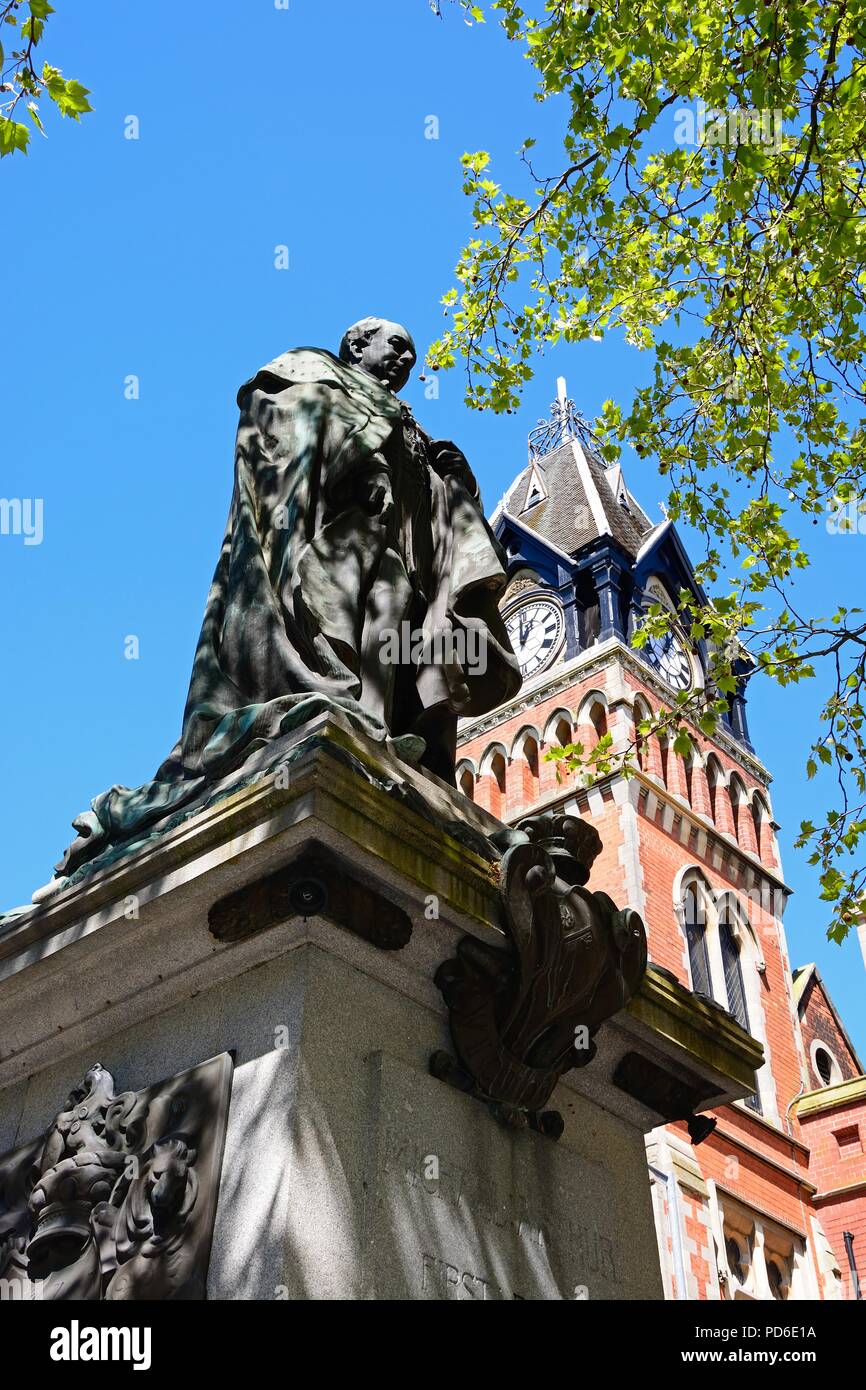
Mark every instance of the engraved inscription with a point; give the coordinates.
(459, 1209)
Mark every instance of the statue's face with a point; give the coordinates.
(389, 355)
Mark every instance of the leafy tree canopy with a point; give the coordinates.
(707, 204)
(23, 82)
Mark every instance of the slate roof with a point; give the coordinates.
(582, 502)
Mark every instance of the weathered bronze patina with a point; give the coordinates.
(117, 1200)
(357, 574)
(524, 1014)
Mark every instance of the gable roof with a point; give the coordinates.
(807, 975)
(584, 501)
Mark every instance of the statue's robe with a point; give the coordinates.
(346, 521)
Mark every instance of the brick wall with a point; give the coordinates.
(818, 1024)
(837, 1141)
(653, 828)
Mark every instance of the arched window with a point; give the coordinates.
(530, 753)
(646, 746)
(467, 784)
(562, 733)
(491, 780)
(714, 777)
(763, 829)
(690, 771)
(664, 757)
(598, 719)
(640, 713)
(734, 987)
(497, 771)
(721, 946)
(757, 818)
(738, 805)
(591, 721)
(695, 923)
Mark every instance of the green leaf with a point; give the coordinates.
(69, 95)
(13, 136)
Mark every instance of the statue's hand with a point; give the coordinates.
(375, 495)
(368, 488)
(451, 462)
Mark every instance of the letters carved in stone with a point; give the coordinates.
(116, 1201)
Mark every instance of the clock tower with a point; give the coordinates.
(690, 843)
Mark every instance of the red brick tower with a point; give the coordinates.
(691, 845)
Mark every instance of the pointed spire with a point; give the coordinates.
(564, 422)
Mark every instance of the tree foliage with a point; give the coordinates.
(23, 82)
(731, 252)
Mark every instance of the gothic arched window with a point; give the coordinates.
(724, 962)
(530, 753)
(734, 987)
(739, 805)
(695, 923)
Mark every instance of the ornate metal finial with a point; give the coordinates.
(565, 422)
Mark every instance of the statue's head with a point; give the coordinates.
(382, 348)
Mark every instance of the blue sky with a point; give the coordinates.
(155, 257)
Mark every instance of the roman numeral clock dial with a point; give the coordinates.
(670, 659)
(536, 629)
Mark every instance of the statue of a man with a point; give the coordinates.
(357, 573)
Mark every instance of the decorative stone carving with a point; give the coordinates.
(117, 1200)
(524, 1014)
(316, 885)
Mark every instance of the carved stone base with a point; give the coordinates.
(116, 1200)
(349, 1171)
(547, 1122)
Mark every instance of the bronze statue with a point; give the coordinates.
(356, 574)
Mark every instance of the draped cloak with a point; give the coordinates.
(346, 520)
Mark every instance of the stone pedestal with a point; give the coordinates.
(348, 1170)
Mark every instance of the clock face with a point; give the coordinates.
(536, 630)
(669, 657)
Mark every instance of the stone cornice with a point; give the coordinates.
(711, 1034)
(834, 1193)
(832, 1097)
(718, 838)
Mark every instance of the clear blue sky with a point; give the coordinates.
(155, 257)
